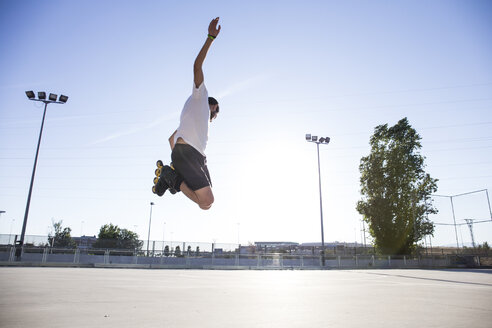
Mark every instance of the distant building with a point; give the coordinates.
(275, 246)
(247, 249)
(298, 249)
(85, 242)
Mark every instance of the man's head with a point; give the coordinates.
(214, 107)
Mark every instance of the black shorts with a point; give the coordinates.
(191, 165)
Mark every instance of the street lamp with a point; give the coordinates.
(150, 222)
(51, 100)
(2, 212)
(322, 140)
(163, 236)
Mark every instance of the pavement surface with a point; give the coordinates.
(80, 297)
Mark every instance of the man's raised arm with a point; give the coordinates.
(213, 31)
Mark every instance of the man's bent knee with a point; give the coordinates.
(205, 197)
(205, 207)
(206, 202)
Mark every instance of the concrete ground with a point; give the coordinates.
(78, 297)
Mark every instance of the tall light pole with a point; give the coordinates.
(322, 140)
(11, 226)
(52, 99)
(238, 226)
(163, 236)
(150, 222)
(2, 212)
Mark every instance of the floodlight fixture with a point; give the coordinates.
(30, 94)
(322, 140)
(63, 98)
(41, 97)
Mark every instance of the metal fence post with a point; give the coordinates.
(45, 255)
(12, 254)
(106, 257)
(389, 261)
(76, 257)
(339, 262)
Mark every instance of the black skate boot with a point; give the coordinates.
(160, 185)
(172, 178)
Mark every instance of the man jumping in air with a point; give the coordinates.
(188, 142)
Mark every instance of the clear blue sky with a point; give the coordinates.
(280, 69)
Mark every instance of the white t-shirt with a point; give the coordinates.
(195, 119)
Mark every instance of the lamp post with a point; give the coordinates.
(2, 212)
(11, 226)
(163, 236)
(52, 99)
(322, 140)
(150, 222)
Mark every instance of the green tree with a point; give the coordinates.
(396, 191)
(129, 240)
(112, 237)
(60, 237)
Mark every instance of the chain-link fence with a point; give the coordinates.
(40, 250)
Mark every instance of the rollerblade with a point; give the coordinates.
(165, 178)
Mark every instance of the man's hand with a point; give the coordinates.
(213, 29)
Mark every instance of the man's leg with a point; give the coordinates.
(203, 196)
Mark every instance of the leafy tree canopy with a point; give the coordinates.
(396, 191)
(60, 237)
(113, 237)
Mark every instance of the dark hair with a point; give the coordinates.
(212, 101)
